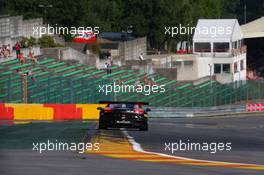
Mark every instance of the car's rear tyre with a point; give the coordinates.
(144, 127)
(102, 125)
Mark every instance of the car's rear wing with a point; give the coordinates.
(123, 102)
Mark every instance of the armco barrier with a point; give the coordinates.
(255, 107)
(9, 111)
(170, 112)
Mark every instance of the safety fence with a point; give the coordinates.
(62, 90)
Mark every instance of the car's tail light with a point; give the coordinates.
(107, 109)
(139, 111)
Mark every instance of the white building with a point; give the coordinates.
(217, 47)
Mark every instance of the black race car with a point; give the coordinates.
(123, 115)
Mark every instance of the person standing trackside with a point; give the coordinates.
(30, 73)
(21, 58)
(31, 54)
(8, 48)
(141, 58)
(106, 67)
(109, 67)
(17, 48)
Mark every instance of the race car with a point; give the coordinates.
(123, 115)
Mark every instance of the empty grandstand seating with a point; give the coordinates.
(54, 81)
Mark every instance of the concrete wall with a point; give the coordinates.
(29, 25)
(133, 48)
(171, 73)
(13, 28)
(50, 52)
(72, 54)
(25, 51)
(67, 53)
(197, 70)
(224, 78)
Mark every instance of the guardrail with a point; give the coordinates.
(9, 111)
(169, 112)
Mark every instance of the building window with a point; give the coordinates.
(235, 68)
(226, 68)
(217, 68)
(202, 47)
(221, 47)
(242, 65)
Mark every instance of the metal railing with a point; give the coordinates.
(167, 112)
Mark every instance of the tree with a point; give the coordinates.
(148, 17)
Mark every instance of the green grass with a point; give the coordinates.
(22, 136)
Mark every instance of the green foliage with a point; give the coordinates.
(32, 41)
(44, 41)
(25, 42)
(148, 17)
(47, 41)
(68, 37)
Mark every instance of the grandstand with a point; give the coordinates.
(56, 81)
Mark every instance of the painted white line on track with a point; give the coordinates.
(137, 147)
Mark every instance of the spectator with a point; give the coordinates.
(145, 79)
(109, 67)
(17, 48)
(109, 58)
(141, 58)
(5, 52)
(1, 52)
(21, 58)
(137, 83)
(120, 82)
(30, 74)
(31, 54)
(18, 70)
(106, 67)
(8, 48)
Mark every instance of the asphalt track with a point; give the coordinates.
(245, 134)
